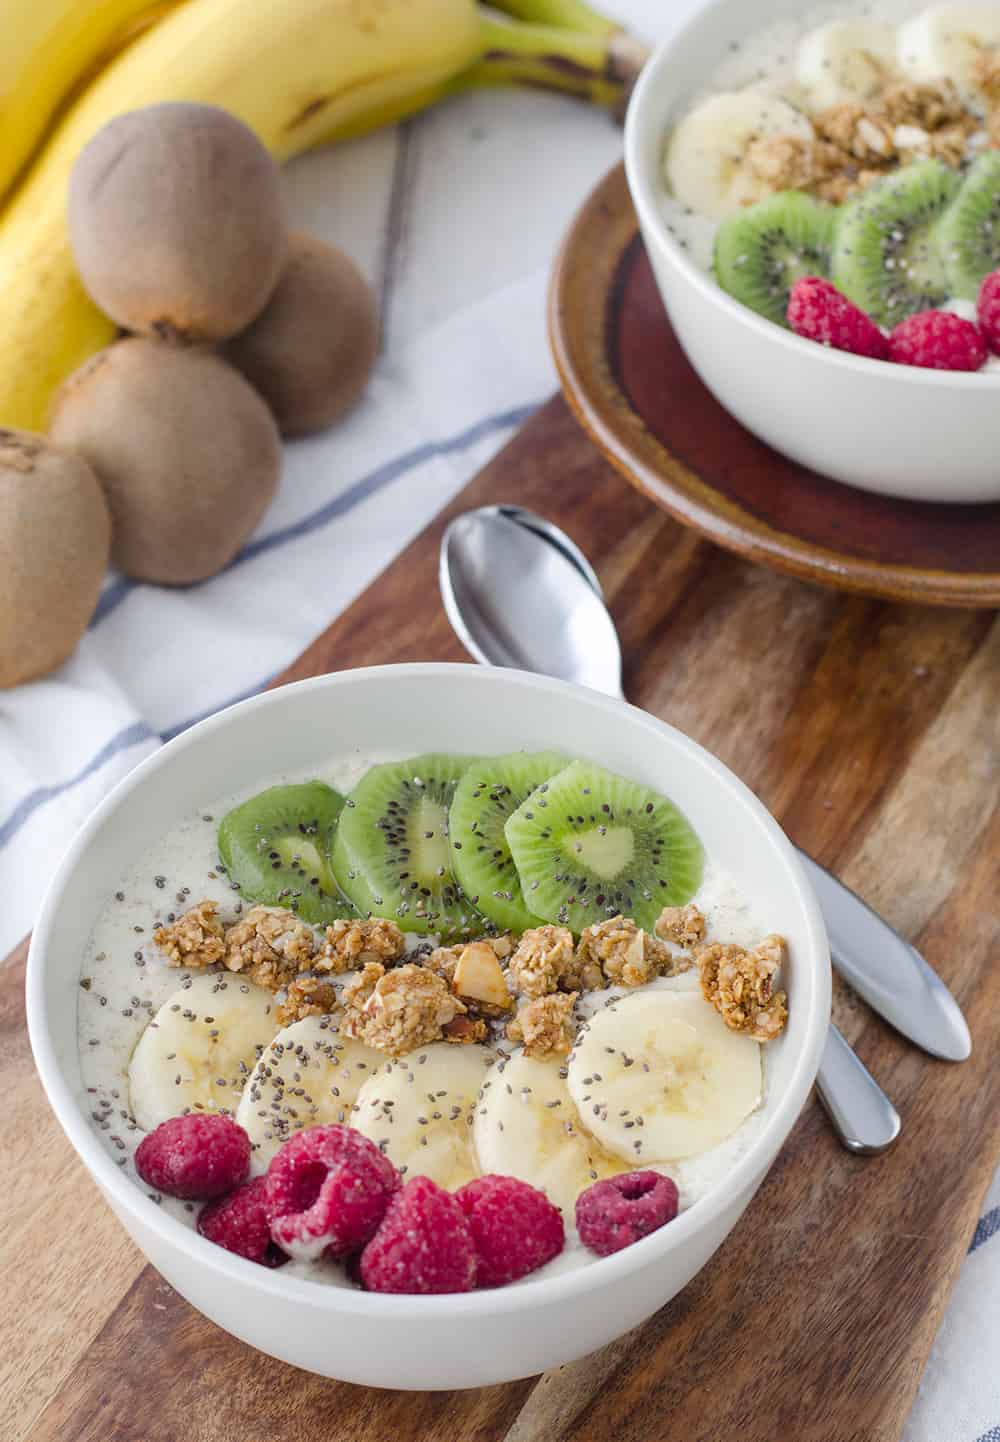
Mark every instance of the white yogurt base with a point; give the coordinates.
(765, 62)
(128, 980)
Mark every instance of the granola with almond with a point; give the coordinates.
(986, 70)
(739, 983)
(444, 959)
(627, 955)
(545, 1025)
(350, 944)
(399, 1010)
(270, 946)
(307, 996)
(194, 940)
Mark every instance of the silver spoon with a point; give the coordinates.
(517, 598)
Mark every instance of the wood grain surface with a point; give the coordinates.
(871, 730)
(635, 391)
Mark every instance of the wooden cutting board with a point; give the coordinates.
(871, 730)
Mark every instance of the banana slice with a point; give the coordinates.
(309, 1075)
(660, 1076)
(846, 60)
(419, 1109)
(527, 1126)
(947, 41)
(705, 163)
(199, 1048)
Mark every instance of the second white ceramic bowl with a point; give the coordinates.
(924, 435)
(444, 1341)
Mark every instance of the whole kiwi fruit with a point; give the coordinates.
(177, 221)
(187, 453)
(311, 350)
(55, 534)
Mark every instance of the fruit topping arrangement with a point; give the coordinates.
(370, 1064)
(877, 169)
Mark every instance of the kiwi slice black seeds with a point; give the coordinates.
(763, 251)
(275, 848)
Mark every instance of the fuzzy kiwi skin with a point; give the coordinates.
(311, 351)
(177, 222)
(55, 535)
(187, 453)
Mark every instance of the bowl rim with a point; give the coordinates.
(646, 190)
(127, 1197)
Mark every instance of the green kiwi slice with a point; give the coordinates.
(763, 251)
(276, 849)
(392, 855)
(969, 235)
(887, 256)
(588, 844)
(487, 795)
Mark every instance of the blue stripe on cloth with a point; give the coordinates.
(28, 805)
(114, 594)
(989, 1226)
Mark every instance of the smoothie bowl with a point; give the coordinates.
(818, 189)
(422, 1003)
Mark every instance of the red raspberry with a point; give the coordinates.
(988, 311)
(327, 1188)
(423, 1245)
(515, 1228)
(818, 311)
(196, 1156)
(937, 340)
(241, 1223)
(620, 1210)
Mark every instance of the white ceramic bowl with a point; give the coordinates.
(926, 435)
(425, 1342)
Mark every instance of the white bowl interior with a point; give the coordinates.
(400, 711)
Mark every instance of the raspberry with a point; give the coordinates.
(423, 1245)
(937, 340)
(195, 1156)
(988, 311)
(620, 1210)
(818, 311)
(327, 1188)
(240, 1222)
(515, 1228)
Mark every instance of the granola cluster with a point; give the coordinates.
(740, 985)
(854, 145)
(350, 944)
(194, 940)
(459, 992)
(545, 1026)
(399, 1010)
(270, 946)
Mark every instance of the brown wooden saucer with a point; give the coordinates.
(630, 384)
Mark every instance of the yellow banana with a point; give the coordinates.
(51, 48)
(298, 72)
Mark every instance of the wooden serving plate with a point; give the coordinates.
(632, 387)
(871, 731)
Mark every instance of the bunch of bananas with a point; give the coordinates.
(300, 73)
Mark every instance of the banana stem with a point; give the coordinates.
(568, 59)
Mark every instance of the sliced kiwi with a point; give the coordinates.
(763, 251)
(487, 795)
(969, 236)
(887, 255)
(392, 855)
(588, 845)
(276, 848)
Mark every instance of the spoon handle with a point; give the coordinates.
(863, 1117)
